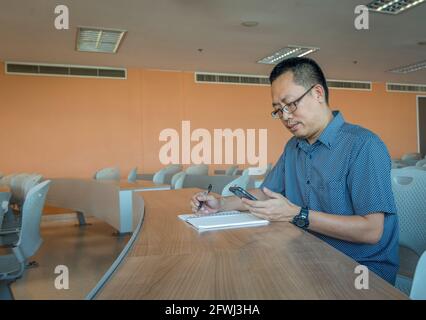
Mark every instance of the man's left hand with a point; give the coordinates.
(277, 208)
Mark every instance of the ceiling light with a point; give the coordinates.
(249, 23)
(410, 68)
(287, 52)
(392, 6)
(99, 40)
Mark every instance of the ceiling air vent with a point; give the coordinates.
(64, 70)
(405, 87)
(99, 40)
(349, 85)
(223, 78)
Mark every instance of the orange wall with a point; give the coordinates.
(73, 126)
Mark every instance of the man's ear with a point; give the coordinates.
(319, 93)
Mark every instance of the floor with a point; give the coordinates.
(86, 251)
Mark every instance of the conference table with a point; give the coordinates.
(171, 260)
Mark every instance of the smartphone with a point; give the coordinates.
(241, 193)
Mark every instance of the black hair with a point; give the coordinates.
(306, 72)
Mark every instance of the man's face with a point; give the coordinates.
(303, 123)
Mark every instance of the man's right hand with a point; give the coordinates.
(211, 204)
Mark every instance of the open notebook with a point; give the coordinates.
(223, 220)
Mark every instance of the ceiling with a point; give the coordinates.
(166, 34)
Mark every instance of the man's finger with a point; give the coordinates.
(272, 194)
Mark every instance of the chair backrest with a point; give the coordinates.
(411, 156)
(31, 181)
(133, 174)
(231, 171)
(29, 236)
(6, 180)
(241, 181)
(177, 180)
(108, 174)
(421, 163)
(409, 185)
(218, 182)
(418, 288)
(161, 175)
(255, 171)
(17, 188)
(269, 167)
(198, 169)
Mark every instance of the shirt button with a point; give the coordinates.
(308, 182)
(310, 156)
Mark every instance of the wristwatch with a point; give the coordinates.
(302, 219)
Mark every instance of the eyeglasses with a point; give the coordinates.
(289, 107)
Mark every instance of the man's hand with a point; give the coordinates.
(277, 208)
(210, 203)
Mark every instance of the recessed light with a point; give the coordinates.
(410, 68)
(249, 23)
(99, 40)
(392, 6)
(287, 52)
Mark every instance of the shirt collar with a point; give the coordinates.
(329, 135)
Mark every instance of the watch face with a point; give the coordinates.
(300, 223)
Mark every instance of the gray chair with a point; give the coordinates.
(198, 169)
(409, 185)
(231, 171)
(5, 181)
(17, 188)
(165, 175)
(421, 163)
(418, 289)
(133, 175)
(178, 180)
(411, 156)
(241, 181)
(198, 181)
(108, 174)
(12, 266)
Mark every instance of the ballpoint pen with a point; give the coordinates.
(205, 193)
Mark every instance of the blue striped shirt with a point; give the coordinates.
(345, 172)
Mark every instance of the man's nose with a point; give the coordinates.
(287, 116)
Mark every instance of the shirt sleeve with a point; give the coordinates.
(369, 179)
(275, 179)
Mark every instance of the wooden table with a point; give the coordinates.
(171, 260)
(4, 189)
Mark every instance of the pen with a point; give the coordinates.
(205, 193)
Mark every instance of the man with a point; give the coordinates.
(333, 178)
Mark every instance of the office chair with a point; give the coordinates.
(241, 181)
(231, 171)
(418, 289)
(177, 180)
(408, 186)
(165, 175)
(12, 266)
(108, 174)
(421, 163)
(133, 174)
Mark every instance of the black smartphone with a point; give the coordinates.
(241, 193)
